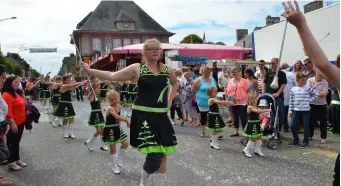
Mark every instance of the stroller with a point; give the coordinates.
(272, 127)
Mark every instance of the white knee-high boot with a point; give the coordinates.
(258, 150)
(71, 131)
(89, 142)
(115, 168)
(247, 150)
(159, 179)
(65, 129)
(102, 147)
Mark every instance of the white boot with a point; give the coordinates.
(52, 120)
(119, 157)
(146, 179)
(65, 131)
(60, 121)
(247, 149)
(159, 179)
(115, 168)
(214, 143)
(89, 142)
(103, 147)
(71, 131)
(258, 150)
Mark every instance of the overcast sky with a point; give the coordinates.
(48, 23)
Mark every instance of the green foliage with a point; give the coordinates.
(35, 73)
(17, 70)
(219, 43)
(9, 67)
(210, 42)
(195, 39)
(2, 59)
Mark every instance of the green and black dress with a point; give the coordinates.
(151, 130)
(65, 109)
(124, 93)
(252, 129)
(132, 91)
(214, 120)
(45, 93)
(55, 98)
(104, 89)
(112, 132)
(96, 118)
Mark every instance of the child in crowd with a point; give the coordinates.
(113, 133)
(299, 106)
(176, 106)
(253, 128)
(215, 122)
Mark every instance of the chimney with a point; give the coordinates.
(241, 33)
(314, 5)
(272, 20)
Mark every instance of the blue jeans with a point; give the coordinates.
(280, 105)
(297, 118)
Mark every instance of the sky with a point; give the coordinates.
(48, 23)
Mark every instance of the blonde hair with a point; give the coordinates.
(210, 91)
(145, 46)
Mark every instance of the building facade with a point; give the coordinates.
(116, 24)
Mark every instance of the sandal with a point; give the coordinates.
(21, 164)
(14, 167)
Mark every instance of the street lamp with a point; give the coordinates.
(8, 18)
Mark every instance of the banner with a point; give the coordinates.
(42, 50)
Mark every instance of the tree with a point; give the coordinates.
(9, 67)
(17, 70)
(35, 73)
(2, 59)
(195, 39)
(210, 42)
(219, 43)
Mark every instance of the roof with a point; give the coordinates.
(103, 18)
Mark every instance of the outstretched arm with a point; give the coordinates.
(126, 74)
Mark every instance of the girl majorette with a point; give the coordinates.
(151, 130)
(215, 122)
(113, 133)
(253, 129)
(55, 99)
(65, 108)
(44, 95)
(96, 118)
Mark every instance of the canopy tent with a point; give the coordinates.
(212, 52)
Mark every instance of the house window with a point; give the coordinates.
(96, 44)
(116, 43)
(126, 42)
(136, 41)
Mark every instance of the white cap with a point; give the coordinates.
(263, 103)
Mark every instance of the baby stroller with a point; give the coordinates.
(272, 127)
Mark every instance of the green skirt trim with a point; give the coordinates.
(216, 129)
(159, 149)
(69, 117)
(116, 142)
(253, 135)
(97, 125)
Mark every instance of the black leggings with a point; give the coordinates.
(153, 162)
(178, 111)
(239, 112)
(13, 141)
(203, 117)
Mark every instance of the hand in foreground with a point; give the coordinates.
(293, 15)
(14, 128)
(86, 67)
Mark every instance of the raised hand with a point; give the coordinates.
(293, 14)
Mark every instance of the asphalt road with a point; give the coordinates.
(54, 160)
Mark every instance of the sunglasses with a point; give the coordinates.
(153, 49)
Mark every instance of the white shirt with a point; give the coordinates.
(3, 109)
(222, 80)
